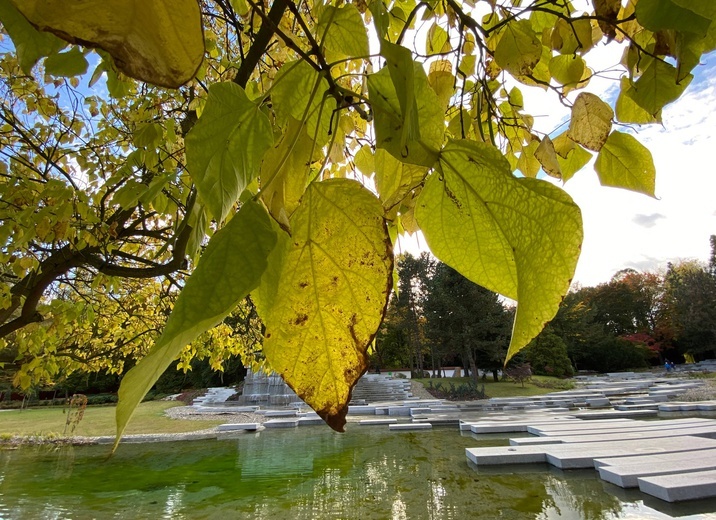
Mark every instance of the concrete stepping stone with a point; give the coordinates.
(375, 422)
(311, 421)
(281, 423)
(582, 455)
(249, 427)
(410, 426)
(616, 434)
(626, 474)
(681, 487)
(658, 459)
(611, 414)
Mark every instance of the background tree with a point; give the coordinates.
(273, 109)
(691, 293)
(547, 355)
(401, 341)
(465, 321)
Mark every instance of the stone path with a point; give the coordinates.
(629, 454)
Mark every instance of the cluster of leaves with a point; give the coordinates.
(288, 103)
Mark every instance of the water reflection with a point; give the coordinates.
(301, 474)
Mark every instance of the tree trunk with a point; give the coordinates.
(473, 366)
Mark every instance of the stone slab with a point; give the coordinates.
(278, 413)
(617, 435)
(612, 414)
(532, 441)
(410, 426)
(437, 421)
(359, 409)
(658, 459)
(375, 422)
(281, 423)
(249, 427)
(579, 427)
(400, 411)
(582, 455)
(680, 487)
(500, 455)
(310, 421)
(626, 475)
(642, 406)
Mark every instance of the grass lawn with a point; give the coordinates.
(507, 388)
(98, 420)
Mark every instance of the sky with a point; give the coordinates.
(623, 229)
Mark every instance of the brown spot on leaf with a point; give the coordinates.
(300, 319)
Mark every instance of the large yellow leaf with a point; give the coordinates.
(591, 121)
(517, 237)
(325, 292)
(157, 41)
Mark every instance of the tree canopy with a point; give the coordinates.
(277, 149)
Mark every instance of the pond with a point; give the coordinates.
(308, 473)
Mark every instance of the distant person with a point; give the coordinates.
(668, 365)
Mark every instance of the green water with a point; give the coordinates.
(367, 473)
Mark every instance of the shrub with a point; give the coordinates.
(547, 355)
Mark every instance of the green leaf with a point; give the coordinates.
(547, 156)
(518, 237)
(421, 144)
(438, 40)
(67, 64)
(299, 91)
(661, 15)
(148, 135)
(381, 18)
(519, 49)
(570, 156)
(160, 42)
(627, 110)
(325, 293)
(572, 37)
(591, 121)
(401, 67)
(527, 162)
(225, 147)
(626, 163)
(657, 87)
(285, 172)
(567, 69)
(442, 81)
(30, 44)
(346, 35)
(394, 179)
(231, 267)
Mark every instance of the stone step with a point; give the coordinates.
(281, 423)
(249, 427)
(625, 474)
(410, 426)
(582, 455)
(681, 487)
